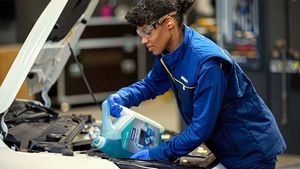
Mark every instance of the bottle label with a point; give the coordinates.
(139, 135)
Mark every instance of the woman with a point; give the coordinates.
(215, 98)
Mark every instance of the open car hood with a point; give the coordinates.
(47, 48)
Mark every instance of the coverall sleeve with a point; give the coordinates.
(154, 84)
(208, 96)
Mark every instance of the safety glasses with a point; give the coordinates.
(146, 32)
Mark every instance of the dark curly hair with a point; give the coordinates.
(148, 11)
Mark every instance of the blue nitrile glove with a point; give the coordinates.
(142, 155)
(114, 101)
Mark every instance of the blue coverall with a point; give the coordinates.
(217, 102)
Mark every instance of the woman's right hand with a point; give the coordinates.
(114, 101)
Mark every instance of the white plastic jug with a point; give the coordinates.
(128, 134)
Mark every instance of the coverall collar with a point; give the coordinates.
(178, 54)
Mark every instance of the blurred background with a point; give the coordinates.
(262, 35)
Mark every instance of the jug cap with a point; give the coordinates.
(99, 142)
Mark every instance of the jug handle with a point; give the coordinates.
(107, 125)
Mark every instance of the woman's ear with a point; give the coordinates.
(170, 22)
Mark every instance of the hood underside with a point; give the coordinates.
(47, 48)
